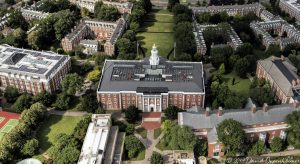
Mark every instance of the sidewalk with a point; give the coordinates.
(283, 153)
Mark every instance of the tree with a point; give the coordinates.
(81, 127)
(172, 3)
(10, 2)
(72, 83)
(30, 148)
(203, 17)
(108, 13)
(200, 148)
(293, 136)
(171, 112)
(62, 101)
(16, 20)
(262, 94)
(44, 97)
(130, 129)
(97, 7)
(157, 158)
(276, 145)
(94, 75)
(130, 34)
(257, 149)
(181, 138)
(231, 134)
(125, 46)
(182, 18)
(11, 94)
(34, 115)
(132, 114)
(23, 102)
(133, 146)
(233, 102)
(84, 12)
(241, 67)
(273, 50)
(19, 36)
(34, 39)
(221, 69)
(69, 154)
(166, 126)
(65, 21)
(89, 101)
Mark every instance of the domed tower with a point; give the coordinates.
(154, 58)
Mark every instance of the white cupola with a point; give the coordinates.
(154, 58)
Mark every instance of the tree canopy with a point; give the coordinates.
(133, 146)
(11, 94)
(132, 114)
(157, 158)
(293, 136)
(231, 134)
(171, 112)
(72, 83)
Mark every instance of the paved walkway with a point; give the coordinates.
(65, 113)
(283, 153)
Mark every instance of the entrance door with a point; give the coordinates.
(152, 109)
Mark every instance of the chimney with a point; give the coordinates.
(294, 83)
(253, 108)
(220, 111)
(207, 110)
(296, 104)
(282, 58)
(265, 107)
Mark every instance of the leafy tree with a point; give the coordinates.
(133, 146)
(262, 94)
(130, 129)
(97, 7)
(171, 112)
(241, 67)
(293, 136)
(182, 18)
(81, 127)
(130, 34)
(23, 102)
(233, 102)
(125, 46)
(181, 138)
(166, 126)
(245, 49)
(65, 21)
(221, 69)
(72, 83)
(231, 134)
(19, 36)
(219, 56)
(203, 17)
(16, 20)
(171, 4)
(257, 149)
(62, 101)
(134, 26)
(34, 115)
(34, 39)
(44, 97)
(10, 2)
(184, 37)
(89, 101)
(132, 114)
(276, 145)
(273, 50)
(69, 154)
(108, 13)
(11, 94)
(157, 158)
(31, 147)
(84, 12)
(200, 148)
(232, 60)
(94, 75)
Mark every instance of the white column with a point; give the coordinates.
(148, 104)
(155, 103)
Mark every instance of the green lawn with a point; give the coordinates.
(141, 156)
(162, 147)
(241, 86)
(158, 29)
(53, 126)
(157, 132)
(142, 132)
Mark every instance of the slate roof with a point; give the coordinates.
(129, 69)
(198, 120)
(281, 71)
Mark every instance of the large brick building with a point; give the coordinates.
(32, 71)
(282, 76)
(123, 6)
(151, 84)
(291, 7)
(99, 31)
(263, 123)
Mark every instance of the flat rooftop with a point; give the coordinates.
(95, 141)
(29, 62)
(140, 76)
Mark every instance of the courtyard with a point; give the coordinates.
(158, 29)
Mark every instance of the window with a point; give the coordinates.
(282, 135)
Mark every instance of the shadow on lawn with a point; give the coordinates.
(44, 130)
